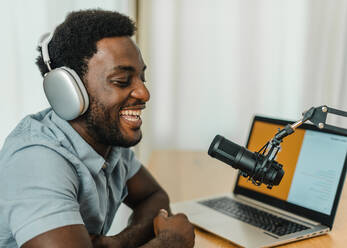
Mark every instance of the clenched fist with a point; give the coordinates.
(176, 230)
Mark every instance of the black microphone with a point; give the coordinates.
(250, 164)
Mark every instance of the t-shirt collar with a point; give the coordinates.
(80, 147)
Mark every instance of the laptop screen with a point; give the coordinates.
(314, 164)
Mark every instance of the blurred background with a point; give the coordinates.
(212, 65)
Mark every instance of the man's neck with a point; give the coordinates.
(80, 128)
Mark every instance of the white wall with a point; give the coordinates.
(22, 23)
(214, 64)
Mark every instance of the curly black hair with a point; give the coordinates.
(74, 41)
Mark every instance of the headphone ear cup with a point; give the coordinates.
(66, 93)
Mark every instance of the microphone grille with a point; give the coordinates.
(229, 147)
(220, 143)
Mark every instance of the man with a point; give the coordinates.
(61, 182)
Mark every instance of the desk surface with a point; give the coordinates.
(186, 175)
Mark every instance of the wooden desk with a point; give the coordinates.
(187, 175)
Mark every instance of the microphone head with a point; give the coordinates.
(248, 162)
(214, 145)
(221, 144)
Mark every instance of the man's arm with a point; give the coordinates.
(75, 236)
(150, 226)
(145, 198)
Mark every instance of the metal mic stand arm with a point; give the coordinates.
(317, 115)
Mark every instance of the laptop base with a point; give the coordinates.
(236, 231)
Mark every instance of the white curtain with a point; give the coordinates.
(22, 23)
(214, 64)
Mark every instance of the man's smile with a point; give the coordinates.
(132, 116)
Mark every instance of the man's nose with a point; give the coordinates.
(140, 91)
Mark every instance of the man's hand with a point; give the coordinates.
(172, 232)
(175, 229)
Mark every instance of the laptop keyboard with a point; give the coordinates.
(253, 216)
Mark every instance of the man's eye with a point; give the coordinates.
(121, 83)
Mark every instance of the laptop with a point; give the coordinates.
(303, 205)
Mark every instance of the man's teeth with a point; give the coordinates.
(131, 117)
(131, 113)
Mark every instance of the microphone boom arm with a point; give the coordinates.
(316, 115)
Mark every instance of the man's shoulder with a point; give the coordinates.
(36, 152)
(34, 132)
(32, 123)
(35, 159)
(32, 128)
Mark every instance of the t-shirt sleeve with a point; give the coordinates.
(38, 193)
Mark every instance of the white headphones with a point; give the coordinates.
(63, 88)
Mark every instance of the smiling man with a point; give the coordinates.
(62, 180)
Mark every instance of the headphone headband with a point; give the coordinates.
(43, 43)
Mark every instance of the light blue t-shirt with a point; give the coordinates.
(50, 177)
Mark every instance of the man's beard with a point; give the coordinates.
(103, 129)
